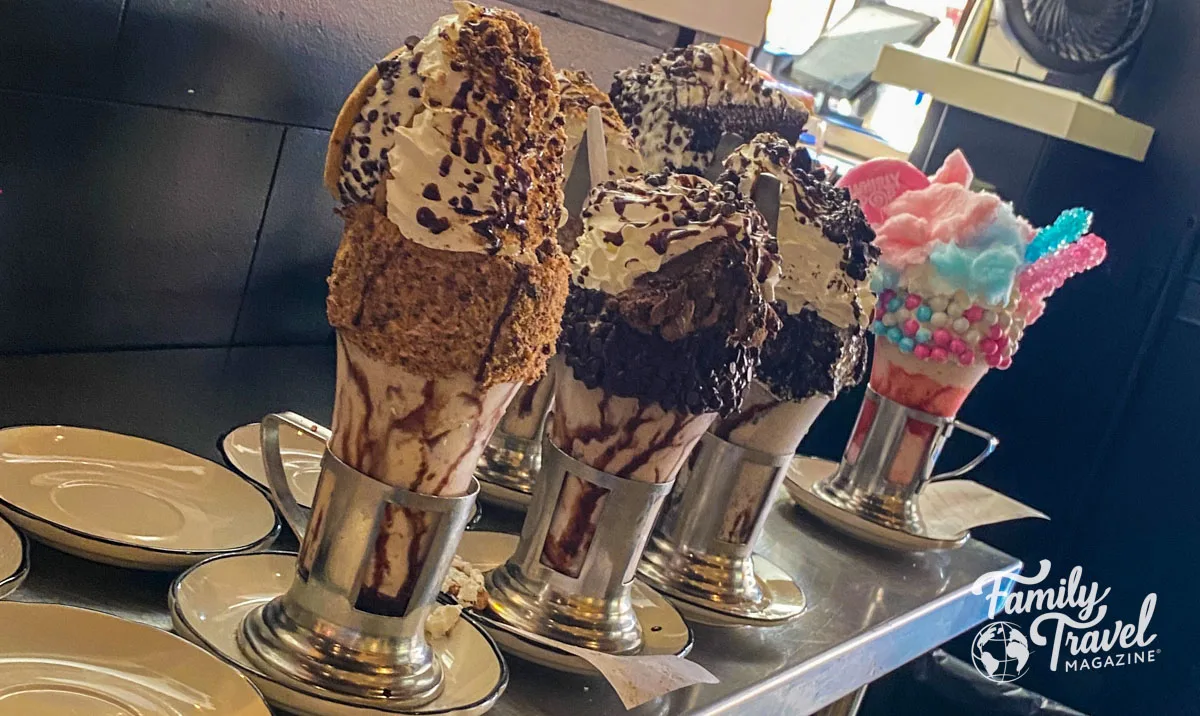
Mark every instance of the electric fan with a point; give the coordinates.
(1074, 37)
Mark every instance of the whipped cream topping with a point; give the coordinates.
(679, 104)
(634, 226)
(824, 239)
(578, 94)
(462, 130)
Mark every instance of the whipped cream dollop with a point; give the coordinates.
(679, 104)
(579, 94)
(825, 242)
(458, 137)
(634, 226)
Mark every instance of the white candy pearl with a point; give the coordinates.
(955, 309)
(990, 318)
(903, 315)
(961, 325)
(889, 319)
(1008, 349)
(1005, 319)
(971, 337)
(939, 319)
(938, 303)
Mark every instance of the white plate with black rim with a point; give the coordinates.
(14, 559)
(127, 501)
(209, 601)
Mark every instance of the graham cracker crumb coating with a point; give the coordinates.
(435, 312)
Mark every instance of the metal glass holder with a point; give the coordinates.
(510, 461)
(702, 550)
(889, 460)
(586, 604)
(330, 632)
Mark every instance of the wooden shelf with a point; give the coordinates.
(1024, 103)
(742, 20)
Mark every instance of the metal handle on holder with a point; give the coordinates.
(992, 442)
(295, 515)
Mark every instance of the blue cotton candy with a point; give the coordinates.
(1066, 229)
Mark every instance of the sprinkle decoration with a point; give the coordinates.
(1066, 229)
(1039, 280)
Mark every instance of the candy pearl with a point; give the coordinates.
(995, 332)
(903, 315)
(894, 335)
(1005, 362)
(961, 298)
(886, 296)
(878, 328)
(1006, 350)
(990, 318)
(894, 304)
(993, 360)
(879, 311)
(971, 337)
(912, 302)
(1002, 341)
(923, 335)
(941, 337)
(924, 313)
(939, 319)
(973, 314)
(921, 351)
(961, 324)
(957, 346)
(939, 303)
(988, 347)
(1004, 319)
(889, 319)
(938, 354)
(911, 327)
(954, 310)
(966, 357)
(906, 345)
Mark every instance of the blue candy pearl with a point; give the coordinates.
(923, 335)
(895, 305)
(894, 334)
(924, 313)
(878, 328)
(906, 345)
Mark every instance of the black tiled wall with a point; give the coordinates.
(160, 161)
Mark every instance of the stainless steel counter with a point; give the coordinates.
(870, 611)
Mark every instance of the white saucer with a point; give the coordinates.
(807, 471)
(505, 497)
(786, 601)
(209, 601)
(301, 458)
(14, 559)
(64, 660)
(663, 629)
(126, 501)
(301, 454)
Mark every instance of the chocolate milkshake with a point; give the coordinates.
(668, 308)
(678, 105)
(448, 286)
(823, 299)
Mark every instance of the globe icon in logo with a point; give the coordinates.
(1000, 652)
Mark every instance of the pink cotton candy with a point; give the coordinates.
(955, 170)
(918, 219)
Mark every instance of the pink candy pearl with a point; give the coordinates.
(880, 311)
(957, 346)
(913, 302)
(937, 354)
(1004, 362)
(989, 347)
(992, 359)
(887, 296)
(922, 351)
(911, 327)
(1002, 341)
(973, 314)
(966, 357)
(941, 337)
(995, 332)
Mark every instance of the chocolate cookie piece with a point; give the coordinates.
(809, 355)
